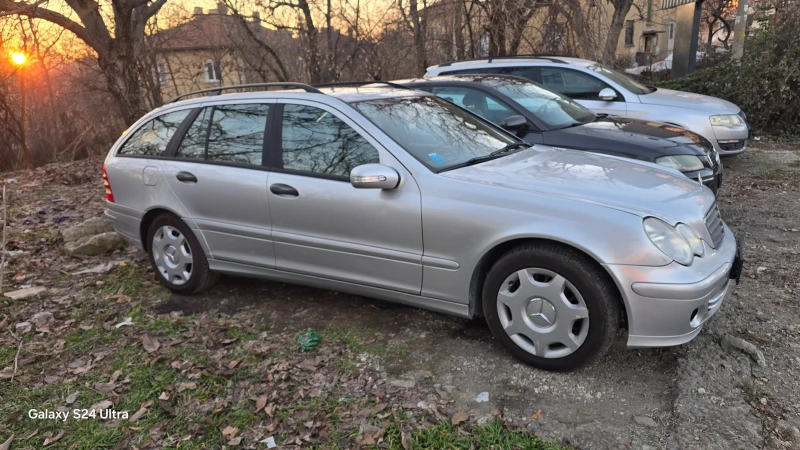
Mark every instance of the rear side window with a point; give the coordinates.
(151, 139)
(314, 140)
(236, 134)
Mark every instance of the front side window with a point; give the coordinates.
(550, 107)
(436, 132)
(621, 79)
(475, 101)
(575, 85)
(151, 139)
(316, 141)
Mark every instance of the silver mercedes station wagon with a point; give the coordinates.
(396, 194)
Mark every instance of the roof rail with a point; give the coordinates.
(217, 91)
(551, 58)
(359, 83)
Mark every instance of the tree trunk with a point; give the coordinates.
(621, 9)
(311, 43)
(497, 28)
(458, 26)
(122, 76)
(420, 55)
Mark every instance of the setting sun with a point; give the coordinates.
(18, 58)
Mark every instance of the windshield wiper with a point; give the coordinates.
(494, 155)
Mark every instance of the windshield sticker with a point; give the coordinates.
(436, 158)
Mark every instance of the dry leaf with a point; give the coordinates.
(137, 415)
(150, 344)
(7, 444)
(230, 431)
(164, 396)
(187, 386)
(235, 441)
(100, 406)
(49, 441)
(459, 417)
(368, 440)
(270, 410)
(537, 415)
(72, 397)
(405, 440)
(261, 402)
(115, 376)
(104, 388)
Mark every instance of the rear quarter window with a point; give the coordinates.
(151, 139)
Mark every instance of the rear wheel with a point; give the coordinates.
(551, 306)
(176, 256)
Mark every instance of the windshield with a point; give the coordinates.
(623, 80)
(550, 107)
(436, 132)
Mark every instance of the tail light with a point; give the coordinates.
(107, 185)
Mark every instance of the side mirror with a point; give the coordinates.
(514, 123)
(374, 176)
(607, 94)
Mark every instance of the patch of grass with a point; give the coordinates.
(357, 341)
(445, 436)
(131, 280)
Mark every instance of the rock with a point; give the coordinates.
(739, 343)
(91, 227)
(25, 293)
(701, 391)
(763, 400)
(405, 384)
(95, 245)
(42, 319)
(482, 397)
(645, 421)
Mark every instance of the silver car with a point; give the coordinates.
(605, 90)
(399, 195)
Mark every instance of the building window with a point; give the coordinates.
(629, 33)
(161, 73)
(212, 71)
(672, 30)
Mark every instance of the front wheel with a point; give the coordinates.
(551, 306)
(176, 256)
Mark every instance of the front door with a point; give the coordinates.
(321, 224)
(583, 88)
(217, 173)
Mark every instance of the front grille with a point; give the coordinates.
(732, 145)
(714, 225)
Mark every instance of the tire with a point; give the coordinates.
(553, 336)
(186, 271)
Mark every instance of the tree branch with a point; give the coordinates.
(33, 11)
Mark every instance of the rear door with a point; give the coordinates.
(321, 224)
(219, 173)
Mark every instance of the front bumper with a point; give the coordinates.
(668, 305)
(731, 141)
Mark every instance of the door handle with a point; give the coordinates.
(283, 190)
(186, 177)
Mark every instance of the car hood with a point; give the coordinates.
(631, 138)
(680, 99)
(637, 187)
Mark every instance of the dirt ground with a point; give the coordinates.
(699, 395)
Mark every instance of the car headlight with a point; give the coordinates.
(683, 163)
(726, 120)
(669, 240)
(692, 238)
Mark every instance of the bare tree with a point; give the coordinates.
(118, 45)
(621, 9)
(417, 22)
